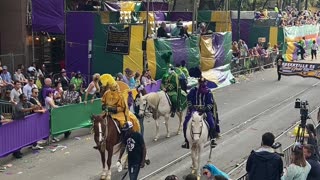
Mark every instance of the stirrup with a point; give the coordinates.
(213, 143)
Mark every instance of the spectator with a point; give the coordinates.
(6, 76)
(177, 30)
(309, 153)
(184, 31)
(27, 89)
(63, 78)
(299, 167)
(202, 29)
(71, 96)
(4, 121)
(314, 49)
(49, 101)
(34, 100)
(161, 32)
(171, 177)
(235, 49)
(45, 88)
(279, 61)
(58, 91)
(137, 79)
(264, 157)
(77, 80)
(136, 148)
(92, 89)
(191, 177)
(312, 139)
(128, 78)
(18, 76)
(15, 93)
(209, 171)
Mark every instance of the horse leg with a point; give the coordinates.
(199, 158)
(103, 160)
(157, 130)
(166, 122)
(180, 123)
(110, 153)
(193, 158)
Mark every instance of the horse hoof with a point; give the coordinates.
(148, 162)
(102, 177)
(168, 136)
(108, 177)
(155, 139)
(179, 132)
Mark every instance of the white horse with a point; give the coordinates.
(160, 104)
(197, 135)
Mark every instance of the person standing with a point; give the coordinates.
(309, 153)
(279, 61)
(134, 143)
(314, 49)
(264, 157)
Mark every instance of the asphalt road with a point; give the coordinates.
(247, 109)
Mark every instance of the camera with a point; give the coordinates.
(303, 106)
(304, 116)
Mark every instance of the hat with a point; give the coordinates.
(4, 67)
(30, 69)
(179, 24)
(63, 71)
(128, 125)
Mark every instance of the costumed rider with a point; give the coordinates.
(114, 103)
(170, 85)
(200, 99)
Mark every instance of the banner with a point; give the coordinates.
(21, 133)
(48, 16)
(118, 41)
(75, 116)
(301, 69)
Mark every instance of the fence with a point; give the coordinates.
(12, 61)
(21, 133)
(286, 159)
(248, 64)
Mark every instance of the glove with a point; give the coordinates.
(112, 109)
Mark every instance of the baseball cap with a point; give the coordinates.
(4, 67)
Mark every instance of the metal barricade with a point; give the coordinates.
(12, 61)
(6, 109)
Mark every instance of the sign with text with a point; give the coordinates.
(301, 69)
(118, 41)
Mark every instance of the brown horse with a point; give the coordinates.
(107, 138)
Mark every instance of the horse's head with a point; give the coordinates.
(97, 118)
(142, 103)
(197, 123)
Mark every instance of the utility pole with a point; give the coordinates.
(306, 5)
(239, 10)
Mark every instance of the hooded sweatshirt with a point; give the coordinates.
(314, 173)
(264, 164)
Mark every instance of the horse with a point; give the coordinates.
(197, 135)
(160, 104)
(108, 138)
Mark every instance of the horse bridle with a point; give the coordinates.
(194, 133)
(145, 108)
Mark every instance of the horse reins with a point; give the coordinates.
(193, 133)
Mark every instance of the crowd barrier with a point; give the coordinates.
(38, 126)
(247, 64)
(74, 116)
(21, 133)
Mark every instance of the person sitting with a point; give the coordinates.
(201, 99)
(177, 30)
(161, 32)
(114, 103)
(18, 76)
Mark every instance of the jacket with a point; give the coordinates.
(314, 173)
(264, 164)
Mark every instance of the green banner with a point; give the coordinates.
(75, 116)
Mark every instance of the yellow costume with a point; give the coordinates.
(113, 98)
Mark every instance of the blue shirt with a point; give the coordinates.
(6, 77)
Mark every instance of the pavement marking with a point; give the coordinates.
(227, 132)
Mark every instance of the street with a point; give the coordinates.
(257, 104)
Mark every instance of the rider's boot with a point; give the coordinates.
(213, 143)
(173, 111)
(186, 144)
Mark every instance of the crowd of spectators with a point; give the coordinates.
(266, 163)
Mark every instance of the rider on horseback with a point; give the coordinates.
(170, 85)
(200, 99)
(114, 103)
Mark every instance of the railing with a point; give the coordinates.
(6, 109)
(244, 65)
